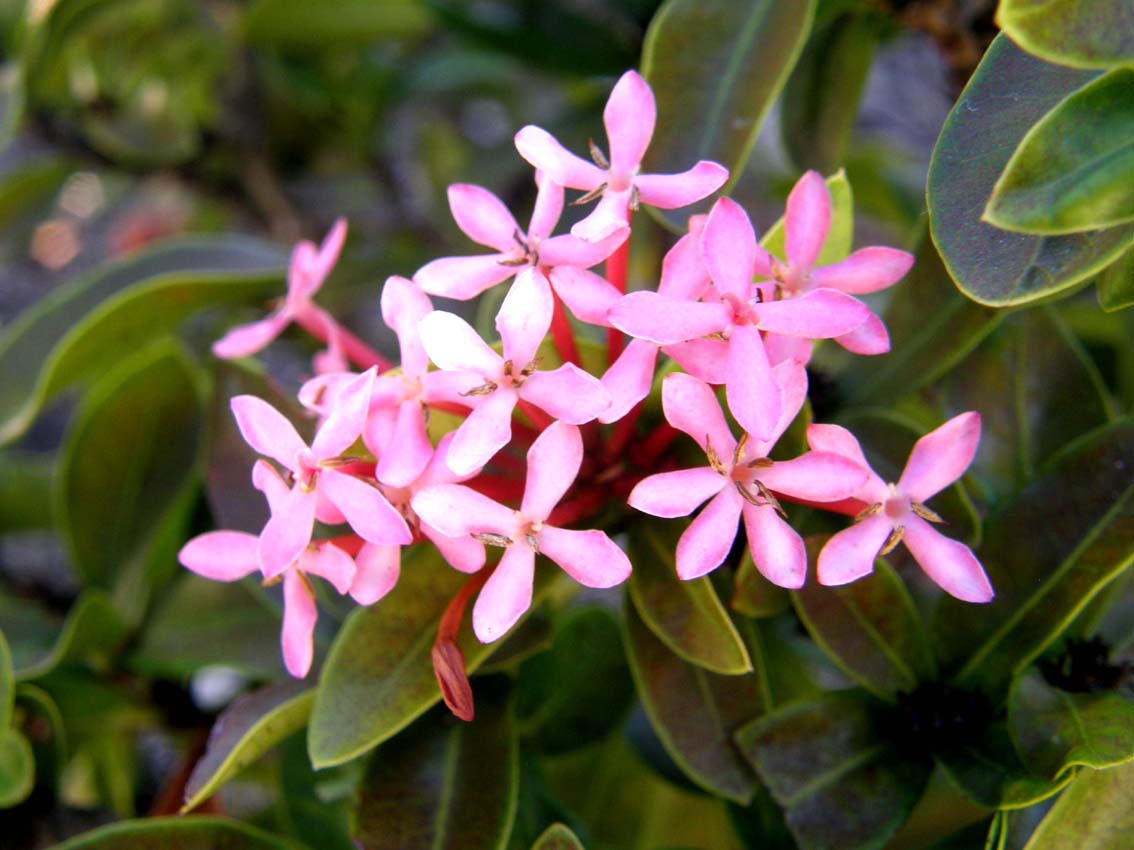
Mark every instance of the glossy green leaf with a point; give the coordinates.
(7, 684)
(378, 676)
(1072, 170)
(694, 712)
(558, 837)
(25, 490)
(870, 629)
(17, 768)
(316, 805)
(754, 595)
(820, 100)
(840, 238)
(82, 329)
(1096, 812)
(246, 730)
(177, 833)
(1115, 286)
(715, 67)
(989, 771)
(92, 630)
(1047, 554)
(1055, 730)
(281, 23)
(825, 756)
(1009, 92)
(443, 784)
(1080, 33)
(687, 616)
(126, 469)
(579, 691)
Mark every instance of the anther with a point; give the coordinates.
(590, 196)
(866, 513)
(925, 513)
(483, 389)
(488, 538)
(738, 452)
(714, 460)
(892, 541)
(635, 198)
(598, 156)
(766, 494)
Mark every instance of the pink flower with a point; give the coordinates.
(319, 487)
(589, 557)
(629, 119)
(897, 512)
(484, 219)
(308, 269)
(741, 480)
(496, 384)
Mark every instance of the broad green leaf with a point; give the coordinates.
(443, 784)
(245, 731)
(687, 616)
(694, 712)
(558, 837)
(30, 187)
(715, 67)
(7, 684)
(316, 806)
(281, 23)
(1047, 554)
(754, 595)
(989, 771)
(1080, 33)
(1096, 812)
(92, 630)
(825, 756)
(17, 768)
(870, 629)
(25, 490)
(1073, 169)
(82, 329)
(1115, 286)
(1055, 730)
(378, 676)
(126, 469)
(1009, 92)
(820, 100)
(177, 833)
(45, 730)
(840, 238)
(579, 691)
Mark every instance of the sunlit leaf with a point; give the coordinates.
(1080, 33)
(17, 768)
(989, 770)
(92, 630)
(1096, 812)
(177, 833)
(840, 238)
(1115, 286)
(281, 23)
(557, 837)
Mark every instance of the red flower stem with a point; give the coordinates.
(587, 503)
(359, 353)
(349, 543)
(617, 265)
(448, 660)
(621, 433)
(562, 335)
(655, 444)
(499, 488)
(537, 417)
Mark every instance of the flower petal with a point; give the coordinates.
(456, 510)
(221, 555)
(452, 344)
(548, 207)
(590, 557)
(246, 340)
(820, 314)
(836, 439)
(587, 295)
(348, 417)
(629, 119)
(404, 305)
(569, 250)
(629, 378)
(525, 317)
(672, 191)
(267, 430)
(553, 462)
(325, 258)
(683, 273)
(729, 249)
(329, 562)
(378, 570)
(753, 395)
(464, 553)
(268, 481)
(815, 477)
(674, 494)
(706, 542)
(866, 270)
(611, 215)
(541, 149)
(463, 278)
(483, 433)
(941, 457)
(951, 564)
(483, 217)
(777, 549)
(506, 595)
(408, 451)
(871, 337)
(298, 625)
(647, 315)
(287, 533)
(706, 359)
(807, 220)
(691, 406)
(850, 554)
(567, 393)
(365, 508)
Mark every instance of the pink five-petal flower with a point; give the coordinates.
(629, 119)
(308, 268)
(485, 219)
(589, 557)
(497, 383)
(741, 480)
(897, 512)
(313, 468)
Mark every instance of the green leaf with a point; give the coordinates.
(1096, 812)
(840, 781)
(443, 784)
(25, 490)
(378, 676)
(694, 712)
(17, 768)
(1047, 554)
(44, 726)
(246, 730)
(280, 23)
(579, 691)
(1079, 33)
(1115, 286)
(840, 238)
(7, 684)
(558, 837)
(1009, 92)
(755, 596)
(1055, 731)
(820, 100)
(870, 628)
(177, 833)
(715, 67)
(126, 473)
(989, 771)
(82, 329)
(1072, 171)
(687, 616)
(92, 630)
(316, 807)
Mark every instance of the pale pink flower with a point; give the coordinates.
(319, 486)
(741, 480)
(496, 384)
(589, 557)
(308, 268)
(485, 219)
(896, 513)
(629, 119)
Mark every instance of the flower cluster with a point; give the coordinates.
(725, 310)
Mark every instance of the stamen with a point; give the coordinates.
(517, 261)
(714, 460)
(769, 498)
(598, 156)
(590, 196)
(489, 538)
(507, 367)
(483, 389)
(761, 463)
(635, 198)
(531, 367)
(925, 513)
(748, 497)
(335, 462)
(741, 445)
(518, 238)
(532, 540)
(866, 513)
(892, 541)
(270, 582)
